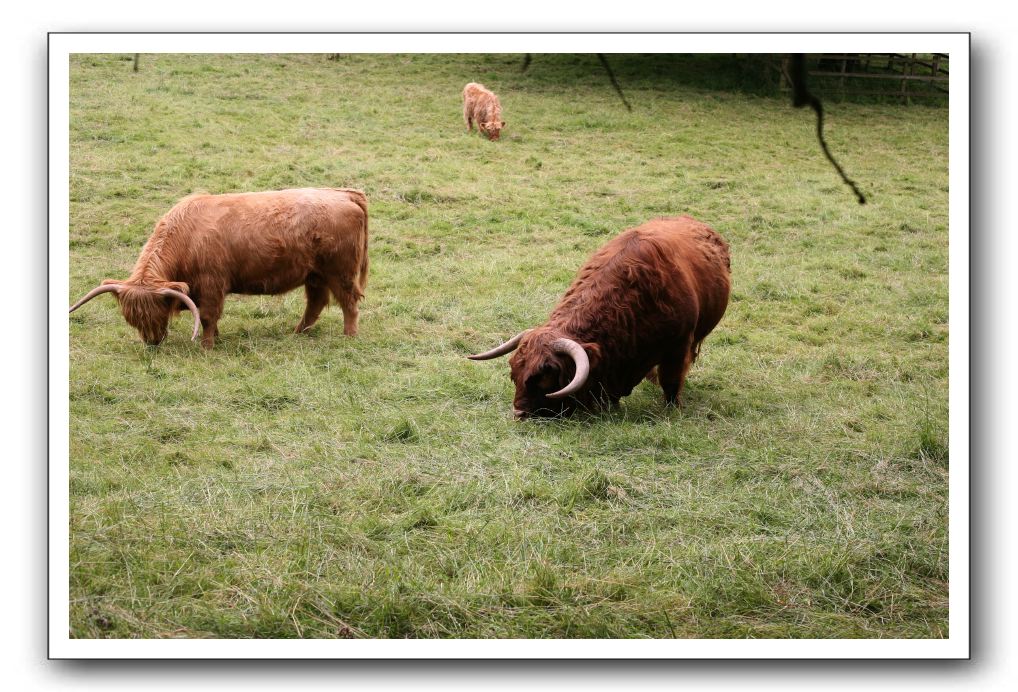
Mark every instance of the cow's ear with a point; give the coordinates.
(503, 124)
(593, 351)
(179, 286)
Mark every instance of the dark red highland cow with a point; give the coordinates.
(645, 300)
(259, 243)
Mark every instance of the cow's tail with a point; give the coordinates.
(361, 281)
(362, 276)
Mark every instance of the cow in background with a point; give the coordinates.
(482, 106)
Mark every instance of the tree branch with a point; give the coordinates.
(801, 96)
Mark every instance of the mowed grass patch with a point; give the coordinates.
(314, 485)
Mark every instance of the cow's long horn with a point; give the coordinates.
(190, 306)
(579, 356)
(115, 288)
(500, 350)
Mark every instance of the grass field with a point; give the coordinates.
(288, 485)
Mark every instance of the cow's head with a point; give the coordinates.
(147, 308)
(492, 129)
(550, 371)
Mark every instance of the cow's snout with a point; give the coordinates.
(519, 414)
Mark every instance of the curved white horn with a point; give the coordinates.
(190, 306)
(500, 350)
(579, 356)
(98, 290)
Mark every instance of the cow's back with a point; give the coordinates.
(264, 242)
(482, 103)
(702, 264)
(652, 282)
(291, 221)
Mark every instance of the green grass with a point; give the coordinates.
(289, 485)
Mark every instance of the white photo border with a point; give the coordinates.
(62, 45)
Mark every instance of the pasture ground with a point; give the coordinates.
(289, 485)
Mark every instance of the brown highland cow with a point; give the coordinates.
(640, 307)
(482, 106)
(256, 243)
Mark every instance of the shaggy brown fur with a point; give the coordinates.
(645, 300)
(258, 243)
(482, 106)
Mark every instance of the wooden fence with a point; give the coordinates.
(902, 76)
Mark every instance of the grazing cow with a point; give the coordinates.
(639, 307)
(482, 106)
(258, 243)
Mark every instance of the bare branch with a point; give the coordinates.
(801, 96)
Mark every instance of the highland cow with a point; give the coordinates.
(256, 243)
(640, 307)
(482, 106)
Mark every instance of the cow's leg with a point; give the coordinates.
(687, 360)
(668, 376)
(210, 308)
(652, 375)
(672, 371)
(469, 121)
(347, 296)
(318, 297)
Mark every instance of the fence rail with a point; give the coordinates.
(903, 76)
